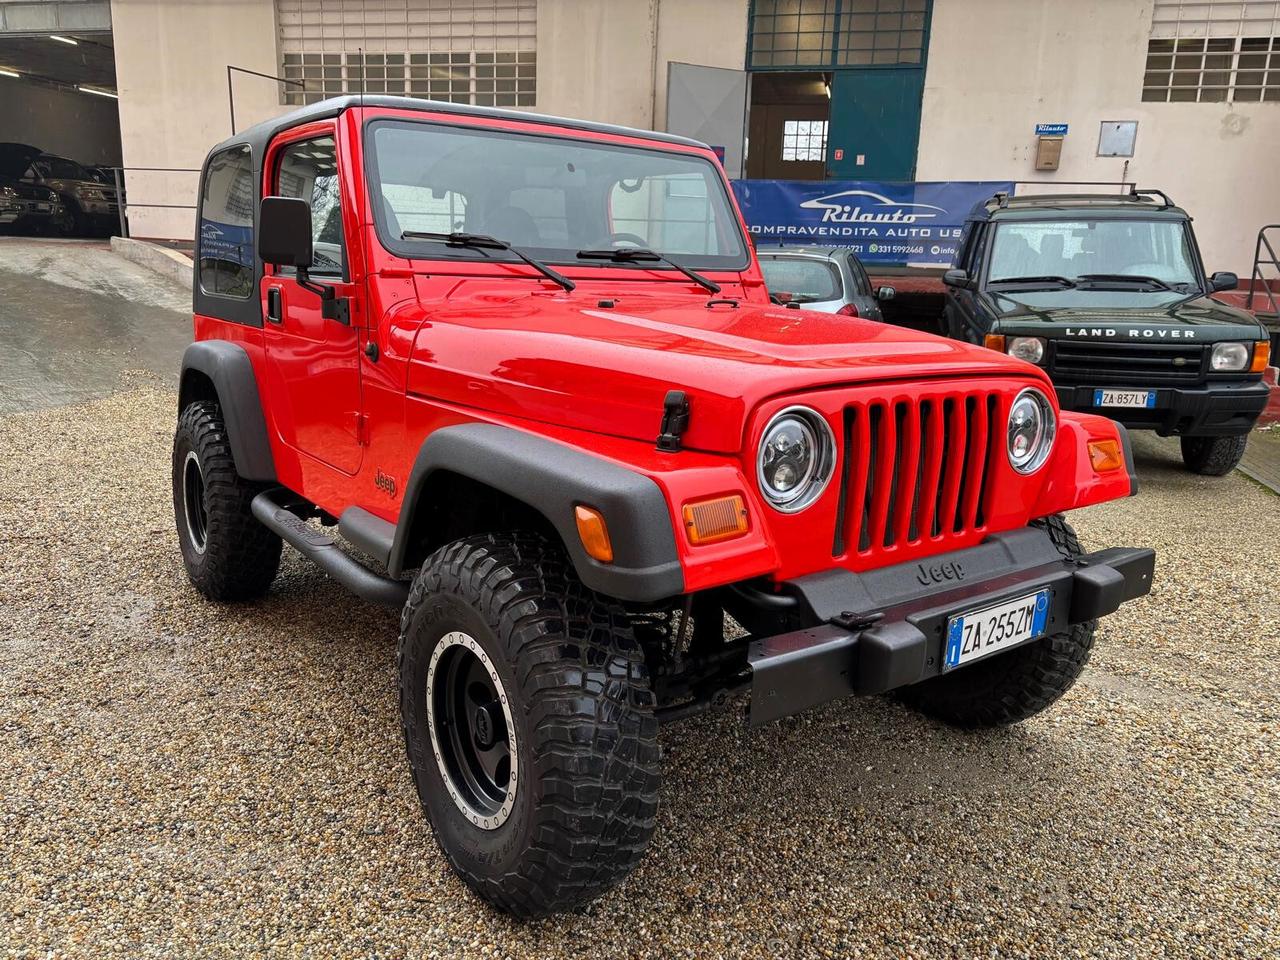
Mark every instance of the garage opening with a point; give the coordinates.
(787, 138)
(60, 145)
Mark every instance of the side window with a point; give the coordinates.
(226, 224)
(309, 170)
(859, 276)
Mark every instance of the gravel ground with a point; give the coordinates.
(182, 779)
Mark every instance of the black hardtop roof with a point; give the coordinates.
(1137, 203)
(260, 134)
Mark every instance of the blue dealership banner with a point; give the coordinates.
(886, 223)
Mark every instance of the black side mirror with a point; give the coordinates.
(885, 293)
(1222, 280)
(956, 278)
(284, 232)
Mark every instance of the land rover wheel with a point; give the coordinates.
(228, 554)
(529, 724)
(1010, 687)
(1213, 456)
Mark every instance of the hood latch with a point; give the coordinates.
(675, 420)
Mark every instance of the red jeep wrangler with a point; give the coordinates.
(529, 369)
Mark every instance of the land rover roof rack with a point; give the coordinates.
(1005, 201)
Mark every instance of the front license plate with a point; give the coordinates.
(1124, 398)
(973, 635)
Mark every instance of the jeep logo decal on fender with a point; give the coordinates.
(385, 483)
(929, 574)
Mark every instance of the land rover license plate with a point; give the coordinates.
(978, 633)
(1124, 398)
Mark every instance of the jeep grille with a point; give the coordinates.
(1106, 362)
(915, 469)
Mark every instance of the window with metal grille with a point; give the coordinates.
(837, 33)
(466, 51)
(804, 139)
(1212, 70)
(1213, 51)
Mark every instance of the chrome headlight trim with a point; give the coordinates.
(1038, 454)
(816, 478)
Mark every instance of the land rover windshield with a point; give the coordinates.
(550, 196)
(1128, 253)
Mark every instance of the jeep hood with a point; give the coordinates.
(568, 359)
(1049, 313)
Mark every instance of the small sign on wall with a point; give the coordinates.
(1051, 129)
(1117, 137)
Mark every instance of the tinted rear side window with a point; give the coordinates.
(226, 225)
(805, 278)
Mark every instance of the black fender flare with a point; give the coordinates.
(553, 478)
(229, 369)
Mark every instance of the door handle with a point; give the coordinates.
(274, 313)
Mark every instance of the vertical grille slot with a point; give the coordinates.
(915, 470)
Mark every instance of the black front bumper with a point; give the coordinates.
(1215, 409)
(887, 628)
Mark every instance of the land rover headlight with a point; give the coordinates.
(796, 459)
(1229, 356)
(1031, 430)
(1030, 349)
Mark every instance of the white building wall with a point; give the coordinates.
(996, 68)
(171, 74)
(607, 59)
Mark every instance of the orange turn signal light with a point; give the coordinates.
(994, 341)
(721, 518)
(594, 533)
(1261, 356)
(1106, 455)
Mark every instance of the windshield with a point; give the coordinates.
(1069, 249)
(806, 279)
(549, 196)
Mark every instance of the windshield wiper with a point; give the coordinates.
(643, 254)
(1048, 278)
(476, 241)
(1126, 278)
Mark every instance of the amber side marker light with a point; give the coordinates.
(1261, 356)
(994, 341)
(709, 521)
(1106, 455)
(594, 533)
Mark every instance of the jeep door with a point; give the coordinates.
(313, 360)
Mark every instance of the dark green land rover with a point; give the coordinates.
(1108, 294)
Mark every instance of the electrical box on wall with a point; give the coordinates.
(1048, 152)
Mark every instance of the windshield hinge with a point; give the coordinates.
(675, 420)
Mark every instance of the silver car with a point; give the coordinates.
(828, 279)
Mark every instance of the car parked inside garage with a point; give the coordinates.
(87, 205)
(826, 279)
(1108, 294)
(26, 207)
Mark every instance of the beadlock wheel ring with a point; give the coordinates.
(478, 761)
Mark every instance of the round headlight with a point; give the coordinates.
(1229, 356)
(1030, 349)
(1031, 429)
(796, 458)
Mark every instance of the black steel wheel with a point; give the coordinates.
(472, 733)
(228, 554)
(529, 723)
(193, 505)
